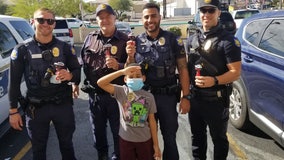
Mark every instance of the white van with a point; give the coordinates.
(62, 31)
(13, 30)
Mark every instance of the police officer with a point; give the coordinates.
(160, 52)
(49, 66)
(214, 63)
(103, 52)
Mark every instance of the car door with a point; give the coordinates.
(7, 44)
(13, 30)
(263, 68)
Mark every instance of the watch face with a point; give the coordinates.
(187, 97)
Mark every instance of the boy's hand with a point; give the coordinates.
(157, 153)
(131, 70)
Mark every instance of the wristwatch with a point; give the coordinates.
(188, 97)
(216, 81)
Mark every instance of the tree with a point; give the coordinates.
(23, 8)
(3, 7)
(26, 8)
(120, 6)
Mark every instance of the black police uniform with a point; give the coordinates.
(212, 50)
(48, 101)
(102, 105)
(158, 58)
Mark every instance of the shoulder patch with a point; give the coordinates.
(14, 54)
(237, 42)
(179, 41)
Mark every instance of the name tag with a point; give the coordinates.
(34, 56)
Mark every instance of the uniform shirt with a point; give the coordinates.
(218, 48)
(21, 62)
(134, 110)
(226, 50)
(93, 54)
(160, 56)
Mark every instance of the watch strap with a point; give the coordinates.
(187, 96)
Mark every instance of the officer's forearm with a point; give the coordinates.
(183, 76)
(231, 75)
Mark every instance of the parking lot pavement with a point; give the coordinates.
(83, 141)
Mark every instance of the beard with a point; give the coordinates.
(154, 27)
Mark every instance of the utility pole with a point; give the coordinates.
(81, 10)
(164, 8)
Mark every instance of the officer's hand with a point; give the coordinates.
(63, 75)
(184, 106)
(204, 81)
(15, 120)
(130, 48)
(112, 63)
(75, 91)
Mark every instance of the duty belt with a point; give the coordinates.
(41, 101)
(220, 92)
(173, 89)
(210, 93)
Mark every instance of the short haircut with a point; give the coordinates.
(136, 64)
(151, 5)
(45, 10)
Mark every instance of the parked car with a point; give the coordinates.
(240, 15)
(124, 27)
(13, 30)
(63, 31)
(74, 22)
(258, 96)
(226, 21)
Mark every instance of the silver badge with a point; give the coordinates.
(207, 45)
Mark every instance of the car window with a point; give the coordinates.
(71, 20)
(23, 28)
(7, 41)
(253, 29)
(61, 24)
(245, 14)
(273, 40)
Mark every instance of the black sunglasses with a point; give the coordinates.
(209, 10)
(49, 21)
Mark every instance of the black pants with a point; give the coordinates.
(215, 115)
(104, 108)
(167, 117)
(62, 117)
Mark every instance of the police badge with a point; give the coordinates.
(55, 52)
(207, 45)
(162, 41)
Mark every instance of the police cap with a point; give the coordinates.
(209, 3)
(104, 7)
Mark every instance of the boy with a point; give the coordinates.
(138, 127)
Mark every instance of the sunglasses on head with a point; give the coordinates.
(48, 21)
(209, 10)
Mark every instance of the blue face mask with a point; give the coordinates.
(135, 84)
